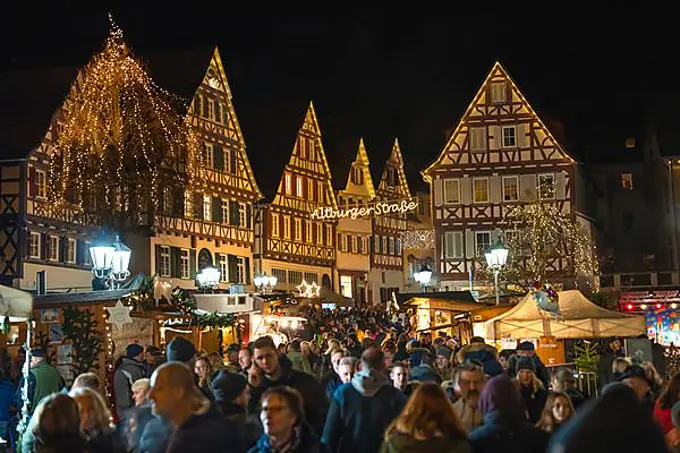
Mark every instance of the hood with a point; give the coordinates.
(127, 363)
(369, 382)
(500, 394)
(403, 443)
(478, 351)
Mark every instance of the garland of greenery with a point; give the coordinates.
(186, 303)
(80, 327)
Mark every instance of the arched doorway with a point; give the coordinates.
(205, 259)
(326, 281)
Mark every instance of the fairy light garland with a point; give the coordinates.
(124, 142)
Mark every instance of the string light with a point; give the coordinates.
(124, 142)
(418, 239)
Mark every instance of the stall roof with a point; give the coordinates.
(461, 301)
(85, 297)
(460, 296)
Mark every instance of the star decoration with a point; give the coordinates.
(119, 315)
(308, 290)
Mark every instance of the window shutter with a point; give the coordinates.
(205, 107)
(469, 243)
(192, 264)
(249, 216)
(218, 111)
(378, 244)
(218, 154)
(80, 256)
(217, 264)
(438, 192)
(247, 260)
(178, 202)
(63, 246)
(233, 212)
(449, 244)
(217, 209)
(233, 163)
(523, 138)
(198, 105)
(561, 185)
(157, 256)
(465, 197)
(44, 246)
(233, 268)
(174, 262)
(31, 181)
(495, 137)
(360, 244)
(495, 183)
(527, 187)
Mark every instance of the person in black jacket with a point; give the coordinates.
(362, 410)
(199, 426)
(505, 427)
(231, 397)
(605, 371)
(530, 388)
(270, 370)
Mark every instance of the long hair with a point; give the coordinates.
(655, 376)
(56, 425)
(428, 413)
(670, 392)
(205, 381)
(547, 421)
(103, 418)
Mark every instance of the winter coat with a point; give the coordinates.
(541, 371)
(470, 417)
(605, 373)
(507, 433)
(332, 381)
(615, 423)
(534, 398)
(249, 426)
(43, 380)
(207, 432)
(305, 442)
(663, 417)
(299, 361)
(156, 435)
(360, 412)
(126, 374)
(425, 373)
(7, 399)
(106, 442)
(310, 389)
(401, 443)
(477, 351)
(576, 397)
(134, 427)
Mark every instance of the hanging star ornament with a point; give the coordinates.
(119, 315)
(308, 290)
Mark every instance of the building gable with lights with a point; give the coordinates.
(500, 155)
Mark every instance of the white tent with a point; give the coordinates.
(579, 318)
(16, 304)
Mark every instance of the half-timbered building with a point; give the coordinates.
(386, 276)
(355, 235)
(291, 243)
(501, 154)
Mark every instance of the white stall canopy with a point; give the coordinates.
(579, 318)
(228, 303)
(16, 304)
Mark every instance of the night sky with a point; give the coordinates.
(380, 75)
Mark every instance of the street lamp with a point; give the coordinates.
(496, 257)
(110, 261)
(423, 276)
(208, 278)
(264, 282)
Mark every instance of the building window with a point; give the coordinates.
(354, 244)
(165, 261)
(184, 264)
(198, 104)
(225, 211)
(385, 250)
(498, 92)
(242, 217)
(224, 268)
(627, 181)
(298, 187)
(311, 149)
(390, 246)
(211, 109)
(308, 231)
(88, 257)
(478, 139)
(298, 229)
(295, 277)
(346, 285)
(329, 235)
(511, 237)
(357, 176)
(482, 241)
(630, 142)
(286, 227)
(280, 274)
(54, 248)
(71, 251)
(40, 184)
(481, 190)
(34, 245)
(319, 234)
(451, 191)
(510, 188)
(302, 145)
(218, 112)
(310, 189)
(546, 187)
(207, 207)
(311, 277)
(241, 269)
(288, 183)
(188, 204)
(208, 155)
(453, 244)
(275, 225)
(509, 140)
(321, 192)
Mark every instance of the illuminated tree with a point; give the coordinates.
(125, 147)
(545, 246)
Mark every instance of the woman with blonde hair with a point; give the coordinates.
(619, 366)
(203, 369)
(557, 411)
(55, 426)
(428, 424)
(654, 378)
(96, 422)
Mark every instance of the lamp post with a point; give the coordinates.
(110, 262)
(496, 257)
(208, 278)
(423, 276)
(264, 282)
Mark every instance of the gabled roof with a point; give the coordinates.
(396, 161)
(362, 161)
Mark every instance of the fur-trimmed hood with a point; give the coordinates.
(478, 351)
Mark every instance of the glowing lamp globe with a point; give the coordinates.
(496, 255)
(273, 280)
(102, 254)
(209, 277)
(423, 276)
(120, 258)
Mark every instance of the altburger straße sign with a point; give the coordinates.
(375, 209)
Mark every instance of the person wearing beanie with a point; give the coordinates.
(530, 388)
(43, 380)
(505, 427)
(180, 350)
(424, 369)
(527, 349)
(478, 351)
(232, 396)
(130, 368)
(443, 361)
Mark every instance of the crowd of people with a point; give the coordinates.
(353, 382)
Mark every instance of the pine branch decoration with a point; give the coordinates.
(81, 328)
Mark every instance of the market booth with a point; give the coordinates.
(578, 318)
(16, 309)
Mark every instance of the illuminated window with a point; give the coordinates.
(288, 182)
(242, 215)
(451, 191)
(630, 142)
(165, 261)
(208, 156)
(218, 112)
(298, 187)
(478, 139)
(321, 192)
(71, 251)
(308, 231)
(509, 140)
(319, 234)
(453, 244)
(298, 229)
(275, 225)
(481, 190)
(224, 268)
(482, 241)
(329, 235)
(310, 189)
(627, 181)
(510, 188)
(546, 187)
(40, 184)
(311, 150)
(34, 245)
(498, 92)
(302, 145)
(211, 109)
(184, 264)
(207, 207)
(346, 285)
(354, 244)
(53, 250)
(286, 227)
(225, 211)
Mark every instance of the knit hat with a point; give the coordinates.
(635, 371)
(37, 352)
(227, 386)
(675, 414)
(500, 394)
(526, 346)
(492, 368)
(526, 363)
(445, 351)
(133, 350)
(180, 350)
(234, 347)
